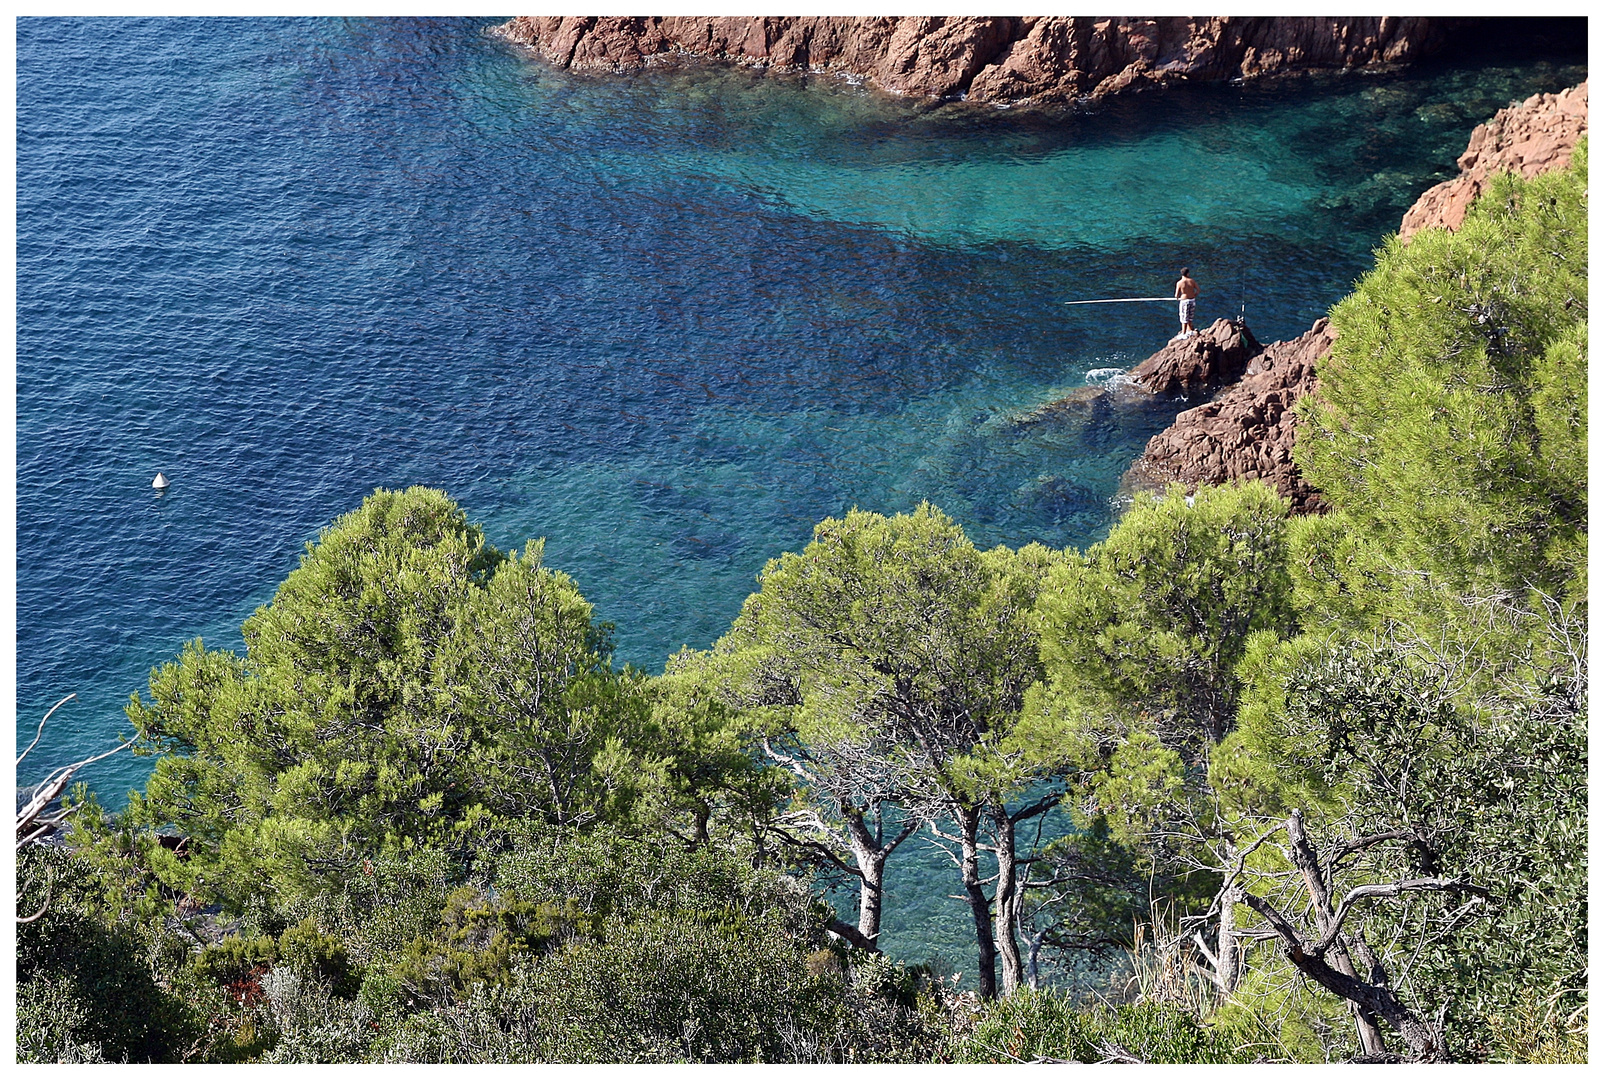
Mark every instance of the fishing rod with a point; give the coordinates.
(1127, 300)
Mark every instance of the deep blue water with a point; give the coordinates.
(667, 322)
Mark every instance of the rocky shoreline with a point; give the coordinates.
(1247, 430)
(1008, 61)
(1536, 136)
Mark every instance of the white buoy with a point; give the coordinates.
(160, 483)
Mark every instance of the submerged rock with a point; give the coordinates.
(1083, 401)
(1002, 60)
(1534, 137)
(1246, 432)
(1062, 501)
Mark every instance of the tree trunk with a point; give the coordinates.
(871, 893)
(1304, 857)
(870, 850)
(1033, 960)
(968, 819)
(1008, 900)
(1228, 961)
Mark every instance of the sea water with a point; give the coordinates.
(667, 321)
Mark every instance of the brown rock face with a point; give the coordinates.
(1246, 432)
(995, 59)
(1534, 137)
(1212, 357)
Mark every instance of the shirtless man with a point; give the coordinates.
(1186, 293)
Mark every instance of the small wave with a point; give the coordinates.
(1101, 374)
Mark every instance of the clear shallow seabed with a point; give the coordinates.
(666, 321)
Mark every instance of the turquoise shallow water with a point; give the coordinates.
(666, 321)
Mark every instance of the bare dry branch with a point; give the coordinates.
(1397, 888)
(1353, 847)
(47, 716)
(31, 824)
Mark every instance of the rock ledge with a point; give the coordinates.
(1536, 136)
(999, 60)
(1246, 432)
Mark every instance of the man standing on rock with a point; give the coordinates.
(1186, 293)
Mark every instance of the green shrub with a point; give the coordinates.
(666, 988)
(237, 964)
(54, 1025)
(1283, 1017)
(1046, 1026)
(480, 937)
(309, 950)
(85, 975)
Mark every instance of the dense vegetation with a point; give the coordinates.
(1324, 779)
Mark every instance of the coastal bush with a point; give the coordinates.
(237, 962)
(87, 986)
(672, 987)
(480, 937)
(609, 947)
(664, 988)
(1043, 1025)
(54, 1025)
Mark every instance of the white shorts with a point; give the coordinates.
(1187, 307)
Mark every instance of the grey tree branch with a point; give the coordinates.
(1397, 888)
(42, 723)
(30, 823)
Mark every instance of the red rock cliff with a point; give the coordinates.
(996, 59)
(1536, 136)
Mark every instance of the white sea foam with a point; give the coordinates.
(1099, 374)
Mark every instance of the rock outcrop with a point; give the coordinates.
(1001, 60)
(1183, 368)
(1198, 364)
(1536, 136)
(1246, 431)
